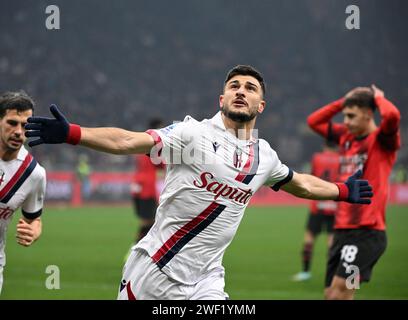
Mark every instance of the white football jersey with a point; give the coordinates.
(22, 185)
(211, 176)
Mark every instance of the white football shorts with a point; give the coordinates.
(143, 280)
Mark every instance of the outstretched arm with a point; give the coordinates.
(116, 140)
(307, 186)
(110, 140)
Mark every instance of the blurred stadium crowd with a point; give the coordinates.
(122, 63)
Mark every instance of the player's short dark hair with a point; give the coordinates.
(364, 99)
(245, 70)
(18, 100)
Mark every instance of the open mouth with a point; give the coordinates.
(240, 102)
(16, 141)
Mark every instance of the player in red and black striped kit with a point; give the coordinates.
(325, 165)
(144, 189)
(359, 236)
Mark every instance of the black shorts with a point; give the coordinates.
(319, 221)
(353, 248)
(145, 208)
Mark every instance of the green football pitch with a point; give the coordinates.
(88, 245)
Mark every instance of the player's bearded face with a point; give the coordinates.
(242, 99)
(12, 129)
(239, 115)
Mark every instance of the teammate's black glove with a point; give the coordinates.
(355, 190)
(52, 130)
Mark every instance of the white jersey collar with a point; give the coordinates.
(217, 122)
(22, 153)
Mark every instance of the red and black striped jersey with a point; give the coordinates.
(375, 154)
(325, 165)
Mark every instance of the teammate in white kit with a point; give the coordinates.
(22, 179)
(213, 168)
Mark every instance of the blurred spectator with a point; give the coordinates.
(400, 174)
(83, 171)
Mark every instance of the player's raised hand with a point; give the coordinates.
(355, 190)
(52, 130)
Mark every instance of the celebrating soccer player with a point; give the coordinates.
(22, 179)
(359, 237)
(214, 167)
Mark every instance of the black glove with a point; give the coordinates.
(52, 130)
(355, 190)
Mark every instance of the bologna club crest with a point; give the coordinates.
(237, 158)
